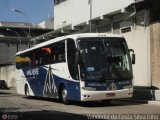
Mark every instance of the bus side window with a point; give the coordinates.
(58, 52)
(54, 54)
(44, 57)
(18, 62)
(61, 51)
(40, 60)
(22, 61)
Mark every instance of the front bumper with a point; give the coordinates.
(104, 95)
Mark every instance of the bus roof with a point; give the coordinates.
(73, 36)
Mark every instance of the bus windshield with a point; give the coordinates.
(104, 59)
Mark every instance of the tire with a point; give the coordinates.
(26, 91)
(3, 87)
(64, 94)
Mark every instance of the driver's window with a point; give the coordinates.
(71, 56)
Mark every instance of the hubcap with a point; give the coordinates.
(64, 95)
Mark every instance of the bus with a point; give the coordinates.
(78, 67)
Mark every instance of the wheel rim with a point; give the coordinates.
(64, 95)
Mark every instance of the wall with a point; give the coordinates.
(7, 73)
(78, 11)
(155, 50)
(7, 56)
(139, 40)
(81, 9)
(62, 14)
(7, 53)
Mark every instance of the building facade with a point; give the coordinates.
(77, 12)
(49, 24)
(14, 37)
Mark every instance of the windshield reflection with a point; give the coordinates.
(104, 59)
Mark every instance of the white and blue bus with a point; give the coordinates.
(79, 67)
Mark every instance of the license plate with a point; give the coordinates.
(110, 94)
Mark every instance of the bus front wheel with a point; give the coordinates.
(64, 96)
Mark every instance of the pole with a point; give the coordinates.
(90, 24)
(29, 32)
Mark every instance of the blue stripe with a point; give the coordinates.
(36, 81)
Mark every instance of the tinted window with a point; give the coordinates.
(54, 53)
(71, 56)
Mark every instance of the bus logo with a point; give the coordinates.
(112, 87)
(32, 72)
(96, 84)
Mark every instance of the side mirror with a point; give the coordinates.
(133, 56)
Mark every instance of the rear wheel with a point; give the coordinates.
(26, 91)
(64, 94)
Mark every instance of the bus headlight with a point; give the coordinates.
(128, 87)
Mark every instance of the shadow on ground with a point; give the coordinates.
(41, 115)
(119, 102)
(4, 93)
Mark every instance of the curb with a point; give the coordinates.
(135, 101)
(142, 101)
(154, 102)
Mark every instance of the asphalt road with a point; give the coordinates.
(17, 107)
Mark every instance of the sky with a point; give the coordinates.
(35, 11)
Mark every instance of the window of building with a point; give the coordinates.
(126, 29)
(116, 28)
